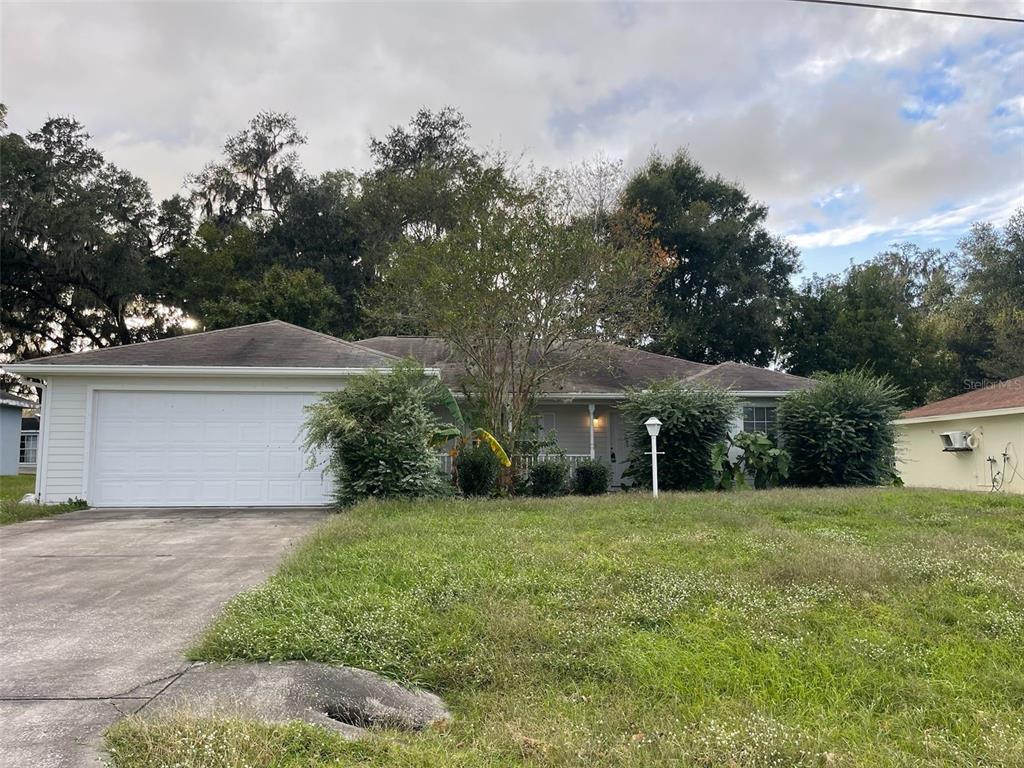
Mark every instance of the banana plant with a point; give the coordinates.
(492, 442)
(439, 394)
(481, 435)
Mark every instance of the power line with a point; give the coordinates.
(911, 10)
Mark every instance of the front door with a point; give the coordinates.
(619, 449)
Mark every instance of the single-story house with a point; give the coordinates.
(974, 441)
(214, 418)
(582, 412)
(11, 408)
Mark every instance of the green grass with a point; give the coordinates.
(782, 628)
(14, 487)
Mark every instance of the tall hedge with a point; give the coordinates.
(693, 420)
(841, 431)
(377, 433)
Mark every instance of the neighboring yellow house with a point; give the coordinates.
(974, 441)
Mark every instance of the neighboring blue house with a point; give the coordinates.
(11, 407)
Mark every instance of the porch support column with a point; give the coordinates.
(590, 408)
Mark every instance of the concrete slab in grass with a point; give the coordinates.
(343, 699)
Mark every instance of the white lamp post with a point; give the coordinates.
(653, 428)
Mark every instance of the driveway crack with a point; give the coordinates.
(171, 681)
(127, 695)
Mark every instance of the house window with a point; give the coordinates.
(759, 418)
(28, 448)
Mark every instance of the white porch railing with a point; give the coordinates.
(444, 461)
(573, 459)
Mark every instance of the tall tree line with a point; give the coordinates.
(87, 258)
(936, 323)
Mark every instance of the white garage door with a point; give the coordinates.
(201, 449)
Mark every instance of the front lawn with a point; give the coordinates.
(783, 628)
(13, 488)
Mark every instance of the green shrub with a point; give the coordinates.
(549, 477)
(693, 420)
(378, 434)
(841, 432)
(761, 459)
(725, 474)
(591, 478)
(477, 468)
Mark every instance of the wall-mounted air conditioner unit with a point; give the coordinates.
(956, 441)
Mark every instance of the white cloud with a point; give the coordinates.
(996, 208)
(848, 235)
(796, 101)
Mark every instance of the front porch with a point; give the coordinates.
(585, 428)
(582, 430)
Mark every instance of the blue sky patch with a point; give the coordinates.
(929, 89)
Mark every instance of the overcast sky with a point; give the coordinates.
(857, 127)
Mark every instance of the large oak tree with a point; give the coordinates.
(79, 267)
(729, 284)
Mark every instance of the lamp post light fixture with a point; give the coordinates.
(653, 428)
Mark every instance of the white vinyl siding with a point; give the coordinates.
(67, 410)
(64, 443)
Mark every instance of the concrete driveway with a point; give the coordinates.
(98, 606)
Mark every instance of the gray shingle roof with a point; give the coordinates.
(619, 368)
(276, 344)
(273, 344)
(749, 378)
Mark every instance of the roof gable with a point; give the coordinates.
(273, 344)
(1004, 395)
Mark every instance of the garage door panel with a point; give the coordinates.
(179, 461)
(284, 433)
(252, 432)
(251, 491)
(110, 430)
(215, 492)
(219, 432)
(287, 461)
(183, 430)
(252, 462)
(281, 490)
(150, 462)
(218, 461)
(167, 448)
(109, 460)
(181, 491)
(147, 491)
(144, 428)
(186, 403)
